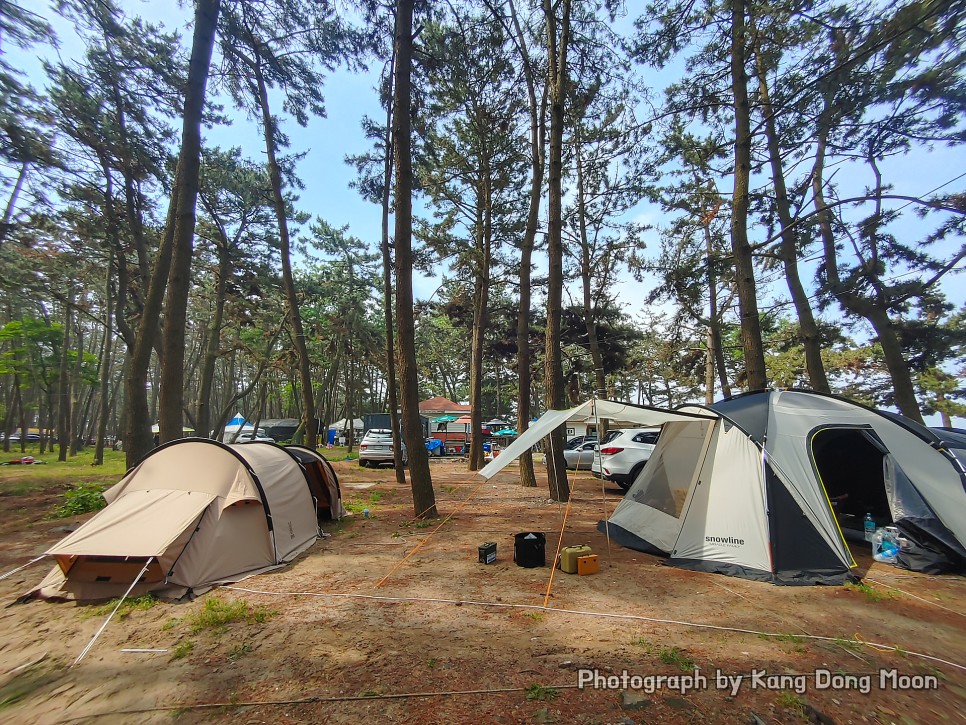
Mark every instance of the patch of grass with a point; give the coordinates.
(239, 651)
(423, 524)
(131, 604)
(535, 616)
(791, 701)
(20, 480)
(170, 624)
(80, 499)
(644, 644)
(218, 613)
(849, 644)
(871, 593)
(675, 657)
(539, 692)
(432, 663)
(182, 649)
(370, 693)
(357, 506)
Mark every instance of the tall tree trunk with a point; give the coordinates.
(77, 411)
(213, 343)
(171, 416)
(107, 359)
(524, 373)
(424, 499)
(309, 423)
(789, 244)
(600, 383)
(63, 382)
(387, 298)
(555, 390)
(137, 425)
(714, 316)
(481, 301)
(744, 265)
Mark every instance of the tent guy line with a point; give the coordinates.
(603, 615)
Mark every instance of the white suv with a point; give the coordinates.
(623, 453)
(376, 448)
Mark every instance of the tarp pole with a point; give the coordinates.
(111, 615)
(603, 492)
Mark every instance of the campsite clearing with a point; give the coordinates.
(323, 640)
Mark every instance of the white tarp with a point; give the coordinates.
(618, 413)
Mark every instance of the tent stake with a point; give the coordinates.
(109, 616)
(20, 568)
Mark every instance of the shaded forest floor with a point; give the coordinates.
(354, 630)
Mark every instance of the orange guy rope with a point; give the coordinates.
(420, 544)
(563, 526)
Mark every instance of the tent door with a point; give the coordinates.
(849, 463)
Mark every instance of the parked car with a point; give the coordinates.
(254, 437)
(578, 441)
(579, 458)
(376, 448)
(623, 453)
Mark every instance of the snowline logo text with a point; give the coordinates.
(820, 679)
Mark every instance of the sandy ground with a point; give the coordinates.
(358, 632)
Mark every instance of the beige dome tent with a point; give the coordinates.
(201, 512)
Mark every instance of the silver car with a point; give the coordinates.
(580, 458)
(376, 448)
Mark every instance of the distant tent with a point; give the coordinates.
(343, 425)
(237, 421)
(746, 486)
(203, 513)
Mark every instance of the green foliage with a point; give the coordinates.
(217, 614)
(182, 649)
(871, 593)
(791, 701)
(239, 651)
(131, 604)
(539, 692)
(82, 498)
(675, 657)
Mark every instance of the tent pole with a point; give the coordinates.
(21, 568)
(603, 492)
(111, 615)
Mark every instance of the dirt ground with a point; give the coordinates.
(391, 620)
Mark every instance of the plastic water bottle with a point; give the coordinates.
(869, 525)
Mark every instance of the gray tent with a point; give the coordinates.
(198, 513)
(746, 486)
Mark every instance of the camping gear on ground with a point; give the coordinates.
(587, 564)
(487, 552)
(529, 549)
(743, 487)
(194, 513)
(885, 545)
(568, 557)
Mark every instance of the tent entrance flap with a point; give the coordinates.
(850, 464)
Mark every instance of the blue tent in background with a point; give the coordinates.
(238, 420)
